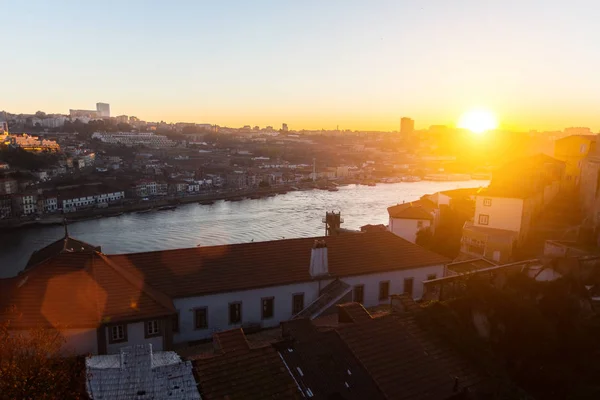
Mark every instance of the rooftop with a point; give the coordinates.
(138, 373)
(214, 269)
(413, 210)
(237, 371)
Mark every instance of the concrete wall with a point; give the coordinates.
(135, 336)
(504, 213)
(407, 228)
(218, 304)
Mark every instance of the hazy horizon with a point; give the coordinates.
(311, 65)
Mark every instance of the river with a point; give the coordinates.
(295, 214)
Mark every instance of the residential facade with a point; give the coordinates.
(505, 211)
(573, 150)
(407, 219)
(185, 295)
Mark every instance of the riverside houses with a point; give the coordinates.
(103, 302)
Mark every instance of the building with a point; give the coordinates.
(184, 295)
(6, 206)
(25, 203)
(145, 188)
(3, 128)
(253, 373)
(407, 219)
(140, 373)
(34, 143)
(103, 110)
(131, 139)
(284, 127)
(87, 114)
(122, 119)
(407, 127)
(352, 355)
(8, 186)
(573, 150)
(87, 197)
(504, 210)
(589, 187)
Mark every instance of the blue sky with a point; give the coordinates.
(312, 64)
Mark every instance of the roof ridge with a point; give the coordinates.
(312, 238)
(152, 292)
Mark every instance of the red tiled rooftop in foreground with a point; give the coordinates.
(213, 269)
(405, 361)
(240, 372)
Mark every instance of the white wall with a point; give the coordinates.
(80, 341)
(407, 228)
(135, 335)
(218, 308)
(504, 213)
(218, 304)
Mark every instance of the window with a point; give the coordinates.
(419, 224)
(487, 202)
(267, 307)
(118, 333)
(484, 219)
(152, 328)
(175, 323)
(408, 285)
(384, 290)
(431, 276)
(201, 318)
(297, 303)
(235, 313)
(359, 294)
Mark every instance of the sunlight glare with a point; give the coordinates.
(478, 121)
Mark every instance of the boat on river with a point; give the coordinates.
(411, 178)
(145, 211)
(165, 208)
(206, 202)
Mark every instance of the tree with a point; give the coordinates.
(33, 367)
(424, 237)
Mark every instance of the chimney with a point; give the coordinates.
(318, 259)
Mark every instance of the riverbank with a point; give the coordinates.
(157, 203)
(117, 210)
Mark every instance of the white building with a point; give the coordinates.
(103, 110)
(407, 219)
(178, 296)
(82, 198)
(131, 139)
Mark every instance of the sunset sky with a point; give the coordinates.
(312, 64)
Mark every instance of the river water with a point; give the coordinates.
(295, 214)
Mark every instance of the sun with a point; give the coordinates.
(478, 121)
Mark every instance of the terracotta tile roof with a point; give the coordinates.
(353, 312)
(80, 290)
(422, 205)
(413, 212)
(214, 269)
(405, 361)
(461, 193)
(244, 373)
(323, 365)
(66, 244)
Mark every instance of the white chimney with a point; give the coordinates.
(318, 259)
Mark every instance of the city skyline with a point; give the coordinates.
(312, 66)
